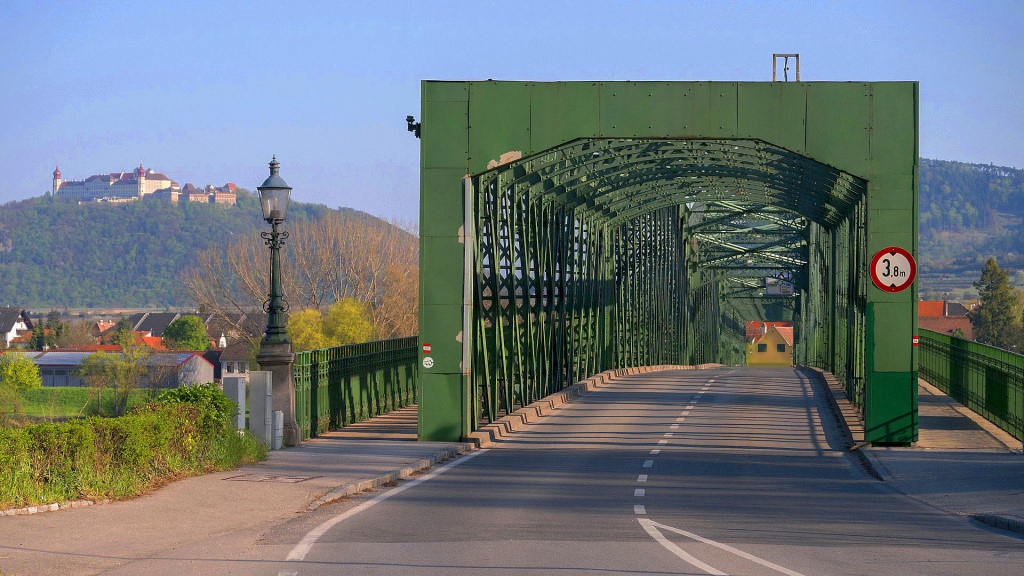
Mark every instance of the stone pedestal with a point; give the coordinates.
(277, 358)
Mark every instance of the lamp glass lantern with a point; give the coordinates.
(274, 195)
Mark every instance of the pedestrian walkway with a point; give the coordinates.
(94, 539)
(961, 463)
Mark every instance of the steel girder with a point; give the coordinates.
(617, 252)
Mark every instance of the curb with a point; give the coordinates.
(851, 425)
(39, 508)
(502, 428)
(346, 490)
(1008, 523)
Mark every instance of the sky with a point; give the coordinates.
(207, 91)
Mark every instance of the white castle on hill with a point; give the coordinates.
(138, 184)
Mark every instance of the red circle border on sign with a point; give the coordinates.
(889, 251)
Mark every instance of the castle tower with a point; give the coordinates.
(56, 179)
(140, 181)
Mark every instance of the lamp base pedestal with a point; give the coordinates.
(277, 358)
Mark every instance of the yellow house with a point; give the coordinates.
(773, 348)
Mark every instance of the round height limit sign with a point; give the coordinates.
(893, 269)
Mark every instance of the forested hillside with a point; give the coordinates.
(968, 213)
(56, 253)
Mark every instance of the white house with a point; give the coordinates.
(13, 323)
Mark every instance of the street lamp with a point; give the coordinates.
(274, 196)
(276, 349)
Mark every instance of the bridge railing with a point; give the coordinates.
(335, 387)
(986, 379)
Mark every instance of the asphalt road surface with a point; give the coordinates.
(723, 471)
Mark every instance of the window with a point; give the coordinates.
(762, 347)
(780, 347)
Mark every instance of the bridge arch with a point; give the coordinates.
(642, 235)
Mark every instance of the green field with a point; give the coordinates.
(60, 403)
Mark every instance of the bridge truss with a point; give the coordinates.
(642, 237)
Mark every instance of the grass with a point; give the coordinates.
(56, 404)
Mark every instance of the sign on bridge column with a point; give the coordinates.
(893, 269)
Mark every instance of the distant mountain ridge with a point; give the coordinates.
(968, 213)
(57, 253)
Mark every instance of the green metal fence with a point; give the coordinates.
(335, 387)
(986, 379)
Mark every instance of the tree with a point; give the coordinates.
(348, 321)
(17, 373)
(122, 372)
(78, 333)
(993, 320)
(341, 255)
(306, 329)
(122, 334)
(186, 333)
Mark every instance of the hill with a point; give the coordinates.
(57, 253)
(968, 213)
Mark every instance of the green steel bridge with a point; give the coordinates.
(573, 227)
(570, 228)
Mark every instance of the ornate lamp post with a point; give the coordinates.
(275, 348)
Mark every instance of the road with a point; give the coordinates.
(723, 471)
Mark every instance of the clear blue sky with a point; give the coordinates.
(207, 91)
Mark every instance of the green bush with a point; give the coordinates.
(217, 409)
(122, 457)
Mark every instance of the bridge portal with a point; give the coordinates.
(573, 227)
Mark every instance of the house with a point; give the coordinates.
(14, 322)
(166, 370)
(944, 317)
(220, 329)
(234, 360)
(773, 348)
(176, 369)
(757, 328)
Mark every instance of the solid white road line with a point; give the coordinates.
(648, 526)
(651, 528)
(300, 550)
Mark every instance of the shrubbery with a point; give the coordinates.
(95, 458)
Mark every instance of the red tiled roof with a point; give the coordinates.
(755, 328)
(947, 325)
(930, 308)
(786, 332)
(154, 342)
(93, 348)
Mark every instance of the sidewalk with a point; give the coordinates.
(94, 539)
(961, 463)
